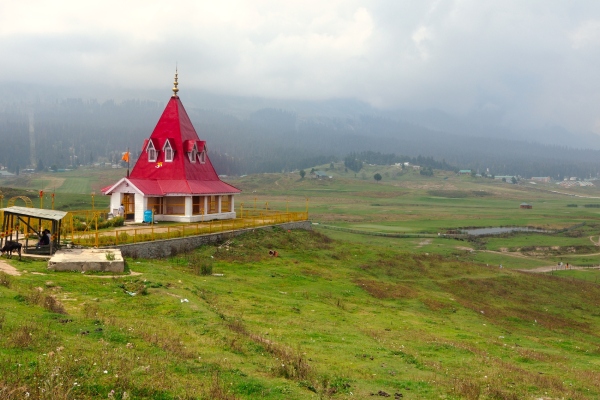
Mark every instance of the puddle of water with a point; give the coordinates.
(498, 230)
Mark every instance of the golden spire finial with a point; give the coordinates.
(175, 89)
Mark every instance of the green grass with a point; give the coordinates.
(590, 275)
(338, 314)
(72, 189)
(327, 318)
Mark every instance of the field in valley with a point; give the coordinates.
(372, 303)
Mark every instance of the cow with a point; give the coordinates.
(9, 247)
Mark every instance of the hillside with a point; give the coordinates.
(329, 317)
(254, 136)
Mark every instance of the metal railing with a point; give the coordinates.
(124, 235)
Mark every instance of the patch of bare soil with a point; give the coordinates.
(8, 269)
(424, 242)
(52, 183)
(464, 248)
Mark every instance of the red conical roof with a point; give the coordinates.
(181, 175)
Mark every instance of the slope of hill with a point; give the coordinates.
(261, 135)
(327, 318)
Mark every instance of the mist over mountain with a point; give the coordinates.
(249, 135)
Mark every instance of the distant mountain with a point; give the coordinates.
(247, 135)
(477, 125)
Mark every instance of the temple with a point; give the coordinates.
(173, 176)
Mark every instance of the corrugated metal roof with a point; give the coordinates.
(42, 213)
(179, 176)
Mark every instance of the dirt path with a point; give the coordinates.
(8, 269)
(595, 243)
(580, 255)
(553, 268)
(53, 183)
(424, 242)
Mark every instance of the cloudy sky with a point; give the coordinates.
(531, 63)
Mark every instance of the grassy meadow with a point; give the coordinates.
(371, 303)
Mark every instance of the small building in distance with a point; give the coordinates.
(321, 175)
(544, 179)
(173, 176)
(526, 205)
(464, 172)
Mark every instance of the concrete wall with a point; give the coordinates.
(170, 247)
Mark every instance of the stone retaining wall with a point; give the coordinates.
(171, 247)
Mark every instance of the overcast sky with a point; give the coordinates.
(528, 62)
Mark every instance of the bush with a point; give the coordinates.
(206, 269)
(200, 264)
(53, 305)
(80, 225)
(5, 279)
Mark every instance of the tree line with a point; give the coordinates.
(74, 132)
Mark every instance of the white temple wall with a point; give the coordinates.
(139, 208)
(115, 203)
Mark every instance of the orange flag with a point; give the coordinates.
(125, 157)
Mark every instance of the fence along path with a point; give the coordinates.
(127, 235)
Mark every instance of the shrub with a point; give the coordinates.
(118, 221)
(80, 225)
(206, 269)
(90, 310)
(200, 264)
(34, 297)
(23, 336)
(53, 305)
(5, 279)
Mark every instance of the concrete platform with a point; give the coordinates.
(98, 260)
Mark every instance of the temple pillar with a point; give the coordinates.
(188, 210)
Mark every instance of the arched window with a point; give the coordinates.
(169, 152)
(152, 153)
(193, 154)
